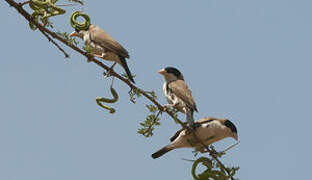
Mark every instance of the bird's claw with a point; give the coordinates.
(165, 108)
(107, 73)
(191, 126)
(214, 153)
(100, 56)
(203, 150)
(89, 59)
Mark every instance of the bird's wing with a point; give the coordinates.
(180, 89)
(204, 120)
(175, 135)
(106, 41)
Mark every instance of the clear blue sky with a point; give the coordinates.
(246, 60)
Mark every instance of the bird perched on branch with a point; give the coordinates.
(102, 45)
(178, 94)
(208, 131)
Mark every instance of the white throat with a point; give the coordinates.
(86, 37)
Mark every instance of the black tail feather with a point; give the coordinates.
(161, 152)
(125, 66)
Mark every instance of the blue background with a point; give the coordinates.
(246, 60)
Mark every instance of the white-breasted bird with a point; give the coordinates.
(208, 131)
(104, 46)
(178, 94)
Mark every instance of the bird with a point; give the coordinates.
(102, 45)
(177, 93)
(207, 130)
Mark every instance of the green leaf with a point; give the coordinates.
(65, 36)
(151, 121)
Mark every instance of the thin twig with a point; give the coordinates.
(230, 147)
(53, 42)
(27, 16)
(24, 3)
(60, 5)
(78, 1)
(189, 160)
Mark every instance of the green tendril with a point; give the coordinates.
(195, 164)
(44, 9)
(209, 173)
(79, 26)
(99, 101)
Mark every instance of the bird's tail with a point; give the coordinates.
(161, 152)
(190, 117)
(125, 66)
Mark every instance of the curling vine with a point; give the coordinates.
(44, 9)
(80, 26)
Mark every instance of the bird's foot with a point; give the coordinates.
(191, 126)
(167, 106)
(108, 72)
(203, 150)
(170, 105)
(100, 56)
(213, 152)
(89, 59)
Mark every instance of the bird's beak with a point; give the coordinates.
(74, 33)
(162, 71)
(235, 136)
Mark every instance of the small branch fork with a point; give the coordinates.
(24, 3)
(53, 42)
(48, 34)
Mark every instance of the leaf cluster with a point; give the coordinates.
(151, 121)
(65, 36)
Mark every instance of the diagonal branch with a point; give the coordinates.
(48, 33)
(89, 57)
